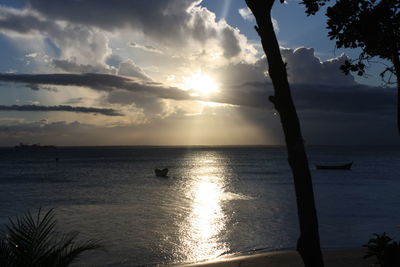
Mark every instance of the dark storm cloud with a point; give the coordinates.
(22, 22)
(171, 22)
(236, 95)
(318, 97)
(98, 82)
(348, 99)
(304, 67)
(151, 15)
(102, 82)
(163, 19)
(76, 42)
(315, 97)
(74, 26)
(64, 108)
(74, 67)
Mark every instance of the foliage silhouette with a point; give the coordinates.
(308, 244)
(386, 251)
(32, 241)
(370, 25)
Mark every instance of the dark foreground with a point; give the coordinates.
(352, 257)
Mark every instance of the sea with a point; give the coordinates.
(216, 201)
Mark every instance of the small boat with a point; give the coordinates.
(161, 172)
(346, 166)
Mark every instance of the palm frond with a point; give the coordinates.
(5, 254)
(71, 250)
(33, 241)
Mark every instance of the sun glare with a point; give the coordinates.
(201, 83)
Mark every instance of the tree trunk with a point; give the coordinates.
(396, 63)
(308, 244)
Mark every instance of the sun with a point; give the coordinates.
(201, 83)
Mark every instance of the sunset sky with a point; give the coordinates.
(175, 72)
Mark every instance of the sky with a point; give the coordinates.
(176, 72)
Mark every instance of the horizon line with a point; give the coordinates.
(209, 145)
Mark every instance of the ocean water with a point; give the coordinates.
(216, 200)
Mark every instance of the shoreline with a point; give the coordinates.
(342, 257)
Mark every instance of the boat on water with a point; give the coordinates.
(346, 166)
(161, 172)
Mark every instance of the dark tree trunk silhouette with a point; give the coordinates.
(308, 244)
(396, 64)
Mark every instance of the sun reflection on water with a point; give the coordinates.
(206, 222)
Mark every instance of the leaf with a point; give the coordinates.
(33, 241)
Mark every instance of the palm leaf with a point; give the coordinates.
(32, 241)
(5, 254)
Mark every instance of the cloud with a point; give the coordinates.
(351, 99)
(147, 96)
(246, 14)
(229, 42)
(175, 130)
(151, 105)
(275, 24)
(183, 29)
(250, 126)
(75, 100)
(304, 67)
(151, 15)
(77, 43)
(130, 69)
(99, 82)
(64, 108)
(174, 23)
(114, 60)
(31, 55)
(242, 72)
(311, 96)
(80, 35)
(73, 67)
(103, 82)
(315, 97)
(113, 84)
(23, 21)
(329, 103)
(148, 48)
(316, 85)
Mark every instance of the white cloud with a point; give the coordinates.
(84, 45)
(275, 24)
(32, 55)
(183, 28)
(167, 38)
(304, 67)
(72, 66)
(148, 48)
(130, 69)
(246, 14)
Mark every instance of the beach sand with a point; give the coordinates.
(352, 257)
